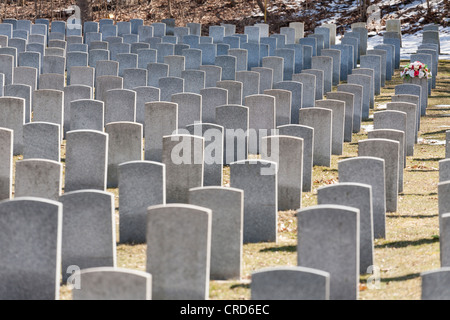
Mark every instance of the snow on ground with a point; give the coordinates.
(410, 42)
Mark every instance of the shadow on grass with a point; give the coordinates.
(404, 244)
(407, 216)
(433, 133)
(240, 285)
(401, 278)
(427, 159)
(419, 170)
(280, 249)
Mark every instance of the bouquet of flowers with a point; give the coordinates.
(416, 69)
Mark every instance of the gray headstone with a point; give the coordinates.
(87, 114)
(228, 65)
(12, 116)
(161, 119)
(434, 284)
(338, 114)
(141, 184)
(388, 151)
(42, 140)
(290, 283)
(120, 105)
(307, 134)
(213, 74)
(358, 196)
(20, 91)
(283, 102)
(106, 83)
(227, 206)
(86, 160)
(309, 88)
(88, 237)
(124, 144)
(170, 86)
(371, 74)
(334, 230)
(111, 283)
(213, 151)
(368, 171)
(348, 98)
(143, 95)
(30, 269)
(156, 71)
(212, 98)
(336, 56)
(6, 159)
(183, 170)
(287, 152)
(6, 67)
(321, 120)
(260, 204)
(326, 65)
(38, 178)
(262, 119)
(319, 81)
(365, 82)
(234, 88)
(371, 61)
(82, 76)
(276, 64)
(146, 56)
(357, 91)
(296, 89)
(189, 108)
(194, 80)
(235, 120)
(190, 251)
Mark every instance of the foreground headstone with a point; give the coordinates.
(227, 206)
(334, 230)
(434, 284)
(6, 160)
(307, 134)
(183, 156)
(369, 171)
(124, 144)
(338, 113)
(190, 251)
(86, 114)
(389, 151)
(213, 153)
(12, 116)
(86, 160)
(358, 196)
(260, 204)
(38, 178)
(88, 237)
(41, 141)
(290, 283)
(321, 120)
(141, 184)
(287, 152)
(235, 121)
(160, 120)
(108, 283)
(30, 269)
(411, 123)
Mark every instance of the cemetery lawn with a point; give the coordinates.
(412, 233)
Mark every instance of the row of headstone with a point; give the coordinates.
(180, 177)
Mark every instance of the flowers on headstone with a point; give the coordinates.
(416, 69)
